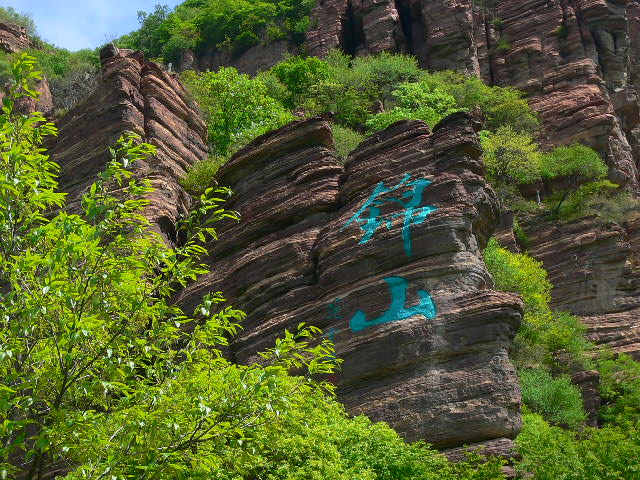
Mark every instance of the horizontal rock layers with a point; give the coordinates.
(13, 38)
(596, 274)
(384, 255)
(136, 96)
(577, 59)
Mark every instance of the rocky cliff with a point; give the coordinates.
(13, 38)
(596, 273)
(384, 255)
(578, 60)
(137, 96)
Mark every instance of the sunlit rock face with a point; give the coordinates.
(13, 38)
(578, 60)
(383, 254)
(140, 97)
(596, 274)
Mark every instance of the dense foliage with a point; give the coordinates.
(544, 333)
(362, 95)
(554, 441)
(99, 369)
(104, 377)
(10, 15)
(236, 107)
(232, 25)
(552, 453)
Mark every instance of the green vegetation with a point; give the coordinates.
(346, 141)
(547, 344)
(362, 94)
(10, 15)
(619, 388)
(233, 25)
(556, 399)
(576, 165)
(552, 453)
(511, 157)
(236, 107)
(104, 375)
(545, 333)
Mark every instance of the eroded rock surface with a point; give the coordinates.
(578, 60)
(13, 38)
(408, 301)
(137, 96)
(596, 274)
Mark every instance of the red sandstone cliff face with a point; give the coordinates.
(596, 274)
(424, 338)
(138, 96)
(579, 60)
(13, 38)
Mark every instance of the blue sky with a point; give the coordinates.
(84, 23)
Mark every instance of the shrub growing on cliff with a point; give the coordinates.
(501, 106)
(575, 165)
(551, 453)
(346, 141)
(556, 399)
(511, 157)
(418, 101)
(619, 388)
(98, 370)
(544, 333)
(236, 107)
(299, 75)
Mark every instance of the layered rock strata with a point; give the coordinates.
(140, 97)
(13, 38)
(596, 274)
(577, 59)
(384, 255)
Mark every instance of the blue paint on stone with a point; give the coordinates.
(398, 310)
(369, 216)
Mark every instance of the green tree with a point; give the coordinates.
(101, 373)
(417, 101)
(576, 165)
(511, 157)
(556, 399)
(380, 75)
(236, 107)
(299, 75)
(619, 387)
(501, 106)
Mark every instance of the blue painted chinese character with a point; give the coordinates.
(397, 311)
(369, 216)
(334, 310)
